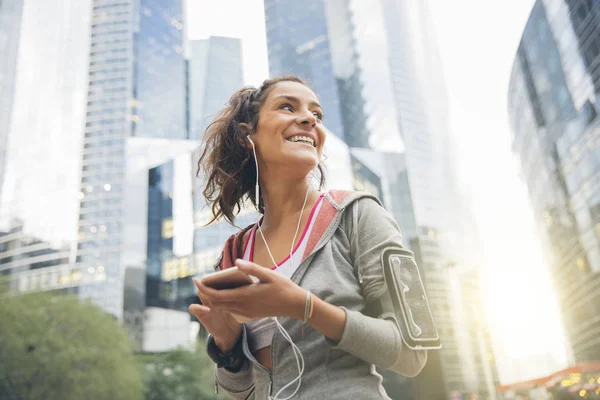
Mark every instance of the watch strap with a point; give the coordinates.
(224, 359)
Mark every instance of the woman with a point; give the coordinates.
(326, 290)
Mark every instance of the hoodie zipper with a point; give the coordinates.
(272, 372)
(255, 362)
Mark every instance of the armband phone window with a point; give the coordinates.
(409, 299)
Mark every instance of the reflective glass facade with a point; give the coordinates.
(42, 161)
(347, 72)
(177, 245)
(167, 276)
(299, 43)
(159, 96)
(553, 112)
(385, 175)
(141, 225)
(402, 106)
(215, 71)
(137, 87)
(10, 24)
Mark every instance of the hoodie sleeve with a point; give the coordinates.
(238, 385)
(377, 339)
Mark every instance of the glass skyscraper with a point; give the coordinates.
(99, 74)
(137, 87)
(42, 159)
(158, 97)
(215, 71)
(298, 43)
(10, 25)
(553, 107)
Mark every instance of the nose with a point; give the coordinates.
(308, 118)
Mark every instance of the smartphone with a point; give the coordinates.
(229, 278)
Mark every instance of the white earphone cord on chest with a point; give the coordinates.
(295, 349)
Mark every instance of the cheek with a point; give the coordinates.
(322, 139)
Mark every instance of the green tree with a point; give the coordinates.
(57, 347)
(179, 375)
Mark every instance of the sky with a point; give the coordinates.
(478, 40)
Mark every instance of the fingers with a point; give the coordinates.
(201, 292)
(221, 298)
(203, 313)
(198, 284)
(263, 274)
(198, 311)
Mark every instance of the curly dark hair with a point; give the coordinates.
(226, 162)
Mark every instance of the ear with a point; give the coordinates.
(245, 130)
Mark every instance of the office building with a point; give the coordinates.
(298, 43)
(215, 73)
(84, 88)
(553, 110)
(42, 159)
(10, 26)
(137, 88)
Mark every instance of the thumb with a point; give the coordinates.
(252, 269)
(199, 311)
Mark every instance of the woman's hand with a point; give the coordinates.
(274, 296)
(220, 324)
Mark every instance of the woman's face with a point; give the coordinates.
(290, 135)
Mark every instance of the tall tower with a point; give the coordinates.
(42, 158)
(137, 87)
(553, 108)
(299, 43)
(216, 72)
(10, 25)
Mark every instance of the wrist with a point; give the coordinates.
(232, 359)
(297, 306)
(226, 344)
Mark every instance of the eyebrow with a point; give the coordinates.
(296, 100)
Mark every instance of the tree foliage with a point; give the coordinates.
(57, 347)
(179, 375)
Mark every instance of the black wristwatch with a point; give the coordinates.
(227, 359)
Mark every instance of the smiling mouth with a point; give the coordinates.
(302, 139)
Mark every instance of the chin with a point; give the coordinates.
(302, 165)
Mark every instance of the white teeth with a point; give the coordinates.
(304, 139)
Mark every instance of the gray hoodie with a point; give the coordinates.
(346, 275)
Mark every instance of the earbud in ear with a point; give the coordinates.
(250, 140)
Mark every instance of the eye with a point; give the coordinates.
(286, 107)
(318, 115)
